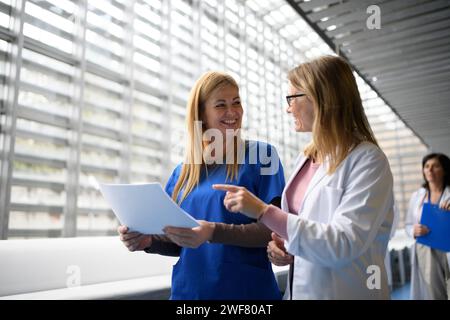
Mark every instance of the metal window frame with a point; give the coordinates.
(7, 151)
(74, 162)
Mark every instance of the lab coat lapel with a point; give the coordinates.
(300, 162)
(318, 176)
(445, 195)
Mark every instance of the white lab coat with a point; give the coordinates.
(418, 290)
(387, 258)
(342, 228)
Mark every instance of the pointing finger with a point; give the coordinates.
(225, 187)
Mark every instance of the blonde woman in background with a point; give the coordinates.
(337, 208)
(225, 257)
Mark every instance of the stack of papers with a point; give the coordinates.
(145, 208)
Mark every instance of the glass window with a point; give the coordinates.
(102, 98)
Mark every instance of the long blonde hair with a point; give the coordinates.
(340, 122)
(192, 168)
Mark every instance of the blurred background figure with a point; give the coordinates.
(430, 275)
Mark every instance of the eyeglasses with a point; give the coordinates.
(290, 98)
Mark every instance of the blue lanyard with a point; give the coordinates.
(429, 195)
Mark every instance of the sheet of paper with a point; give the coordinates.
(145, 208)
(438, 221)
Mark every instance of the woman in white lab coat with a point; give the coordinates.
(337, 207)
(430, 274)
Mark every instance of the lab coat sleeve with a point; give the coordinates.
(409, 220)
(366, 200)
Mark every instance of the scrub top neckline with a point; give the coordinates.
(439, 200)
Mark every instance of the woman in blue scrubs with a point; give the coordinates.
(225, 257)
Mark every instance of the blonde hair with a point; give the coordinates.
(340, 123)
(191, 169)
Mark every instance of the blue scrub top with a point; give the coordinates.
(226, 272)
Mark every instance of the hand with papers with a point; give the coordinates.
(191, 237)
(134, 241)
(183, 237)
(145, 207)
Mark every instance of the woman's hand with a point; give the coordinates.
(445, 205)
(191, 237)
(420, 230)
(277, 252)
(239, 199)
(134, 241)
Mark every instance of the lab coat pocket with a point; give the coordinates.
(329, 200)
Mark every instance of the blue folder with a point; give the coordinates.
(438, 221)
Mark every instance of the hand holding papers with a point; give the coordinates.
(438, 221)
(145, 208)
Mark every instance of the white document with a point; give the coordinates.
(145, 208)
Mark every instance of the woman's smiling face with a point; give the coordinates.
(223, 110)
(302, 110)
